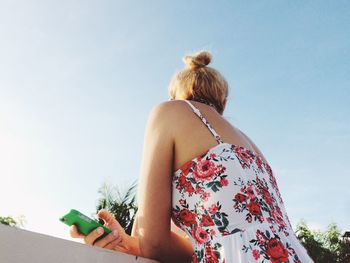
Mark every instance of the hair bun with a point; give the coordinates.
(198, 60)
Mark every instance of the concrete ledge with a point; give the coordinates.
(18, 245)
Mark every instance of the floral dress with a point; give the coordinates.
(227, 201)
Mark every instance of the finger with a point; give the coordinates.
(74, 232)
(93, 235)
(114, 244)
(106, 216)
(110, 221)
(108, 239)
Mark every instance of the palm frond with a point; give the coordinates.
(122, 204)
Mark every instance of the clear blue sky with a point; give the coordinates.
(78, 79)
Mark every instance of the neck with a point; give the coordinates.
(206, 102)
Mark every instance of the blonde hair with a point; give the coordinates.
(199, 82)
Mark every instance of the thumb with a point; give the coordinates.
(110, 220)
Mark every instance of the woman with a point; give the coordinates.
(208, 178)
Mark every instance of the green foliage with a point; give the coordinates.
(121, 205)
(10, 221)
(324, 247)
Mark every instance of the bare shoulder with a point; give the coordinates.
(168, 111)
(169, 105)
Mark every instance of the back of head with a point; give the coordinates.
(199, 82)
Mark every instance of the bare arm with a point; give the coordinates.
(151, 235)
(174, 228)
(181, 235)
(154, 236)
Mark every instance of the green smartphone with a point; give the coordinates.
(84, 223)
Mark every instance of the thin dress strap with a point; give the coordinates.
(201, 117)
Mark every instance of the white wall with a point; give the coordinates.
(22, 246)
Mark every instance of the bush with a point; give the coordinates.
(324, 247)
(10, 221)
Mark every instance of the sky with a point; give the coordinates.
(79, 78)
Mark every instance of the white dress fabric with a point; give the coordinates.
(228, 202)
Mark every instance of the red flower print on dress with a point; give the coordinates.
(250, 192)
(198, 189)
(267, 197)
(212, 155)
(276, 251)
(278, 209)
(224, 182)
(268, 169)
(260, 237)
(204, 170)
(256, 254)
(201, 236)
(207, 221)
(245, 157)
(182, 201)
(278, 218)
(228, 202)
(194, 259)
(221, 169)
(189, 188)
(185, 185)
(271, 248)
(259, 163)
(273, 180)
(187, 217)
(254, 208)
(205, 196)
(256, 198)
(182, 180)
(240, 197)
(213, 209)
(186, 167)
(210, 256)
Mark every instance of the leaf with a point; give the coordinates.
(215, 188)
(210, 184)
(121, 205)
(217, 222)
(225, 221)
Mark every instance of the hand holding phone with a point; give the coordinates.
(87, 228)
(83, 223)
